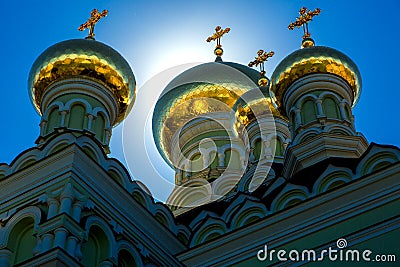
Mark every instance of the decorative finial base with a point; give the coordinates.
(263, 81)
(218, 51)
(307, 42)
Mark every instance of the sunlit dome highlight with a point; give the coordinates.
(88, 58)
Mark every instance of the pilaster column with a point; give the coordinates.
(5, 257)
(107, 135)
(42, 127)
(53, 207)
(252, 158)
(267, 150)
(76, 211)
(60, 236)
(221, 159)
(286, 143)
(318, 102)
(72, 242)
(297, 123)
(63, 114)
(90, 121)
(47, 241)
(66, 205)
(66, 199)
(189, 170)
(178, 175)
(343, 111)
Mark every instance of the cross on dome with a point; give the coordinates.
(95, 16)
(260, 59)
(305, 17)
(219, 32)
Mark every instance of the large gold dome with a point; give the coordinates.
(83, 57)
(309, 60)
(206, 88)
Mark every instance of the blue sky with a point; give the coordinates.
(157, 35)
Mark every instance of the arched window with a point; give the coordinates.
(232, 158)
(115, 176)
(125, 259)
(53, 120)
(214, 158)
(276, 145)
(161, 218)
(76, 117)
(90, 152)
(196, 163)
(21, 241)
(99, 126)
(292, 202)
(257, 149)
(335, 184)
(308, 112)
(96, 249)
(331, 109)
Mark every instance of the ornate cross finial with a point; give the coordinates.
(260, 59)
(217, 35)
(95, 16)
(305, 17)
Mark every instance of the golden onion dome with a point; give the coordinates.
(83, 57)
(252, 105)
(309, 60)
(203, 89)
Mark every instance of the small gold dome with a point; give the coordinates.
(218, 51)
(309, 60)
(263, 81)
(83, 57)
(253, 105)
(307, 42)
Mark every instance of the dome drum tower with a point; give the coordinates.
(215, 125)
(316, 87)
(259, 121)
(199, 156)
(83, 86)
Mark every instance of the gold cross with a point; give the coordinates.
(217, 35)
(261, 57)
(95, 16)
(305, 17)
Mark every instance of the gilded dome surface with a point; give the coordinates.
(309, 60)
(206, 88)
(253, 105)
(83, 57)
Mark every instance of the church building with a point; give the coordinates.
(269, 171)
